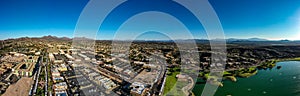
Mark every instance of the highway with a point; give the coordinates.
(46, 78)
(36, 77)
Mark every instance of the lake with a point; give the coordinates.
(271, 82)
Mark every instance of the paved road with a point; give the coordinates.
(186, 90)
(46, 78)
(36, 78)
(7, 78)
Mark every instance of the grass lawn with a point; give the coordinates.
(170, 82)
(296, 59)
(177, 90)
(246, 75)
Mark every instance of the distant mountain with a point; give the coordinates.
(250, 39)
(286, 40)
(44, 38)
(257, 39)
(54, 38)
(227, 40)
(49, 37)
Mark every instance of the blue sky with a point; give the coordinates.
(270, 19)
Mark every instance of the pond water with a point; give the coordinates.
(270, 82)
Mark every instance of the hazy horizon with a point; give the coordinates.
(150, 39)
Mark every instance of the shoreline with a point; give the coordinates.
(247, 72)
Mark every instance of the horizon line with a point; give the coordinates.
(262, 39)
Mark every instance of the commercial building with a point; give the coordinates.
(138, 89)
(60, 89)
(25, 69)
(56, 58)
(62, 68)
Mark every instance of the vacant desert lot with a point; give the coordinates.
(21, 88)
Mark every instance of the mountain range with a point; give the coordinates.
(55, 38)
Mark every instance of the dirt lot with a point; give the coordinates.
(21, 88)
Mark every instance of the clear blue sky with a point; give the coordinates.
(270, 19)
